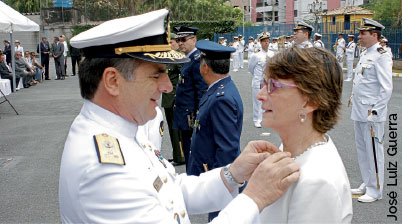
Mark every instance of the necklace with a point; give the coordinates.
(325, 137)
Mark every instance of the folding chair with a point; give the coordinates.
(6, 100)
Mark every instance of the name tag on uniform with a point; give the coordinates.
(158, 183)
(108, 149)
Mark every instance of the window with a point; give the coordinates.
(295, 13)
(347, 22)
(333, 20)
(245, 8)
(276, 16)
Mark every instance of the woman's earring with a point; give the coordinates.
(302, 116)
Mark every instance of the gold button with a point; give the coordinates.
(183, 213)
(143, 146)
(175, 174)
(171, 202)
(165, 179)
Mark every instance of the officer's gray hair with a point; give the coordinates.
(91, 71)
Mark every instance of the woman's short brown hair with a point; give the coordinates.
(317, 75)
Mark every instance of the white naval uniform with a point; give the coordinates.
(372, 89)
(250, 50)
(305, 44)
(151, 130)
(389, 50)
(273, 47)
(241, 53)
(257, 47)
(350, 57)
(319, 44)
(340, 52)
(94, 192)
(236, 56)
(321, 195)
(288, 45)
(256, 66)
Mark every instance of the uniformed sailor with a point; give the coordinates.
(372, 89)
(167, 103)
(256, 66)
(274, 45)
(350, 56)
(221, 109)
(241, 51)
(236, 54)
(340, 49)
(250, 47)
(190, 87)
(109, 174)
(288, 43)
(302, 34)
(257, 44)
(384, 44)
(318, 42)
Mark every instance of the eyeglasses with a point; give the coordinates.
(272, 85)
(183, 39)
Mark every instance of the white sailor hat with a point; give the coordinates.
(318, 35)
(351, 35)
(264, 35)
(302, 25)
(221, 37)
(385, 40)
(214, 50)
(251, 38)
(369, 24)
(145, 37)
(235, 37)
(184, 31)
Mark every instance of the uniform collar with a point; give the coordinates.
(374, 47)
(210, 86)
(191, 52)
(108, 119)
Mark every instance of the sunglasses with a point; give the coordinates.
(271, 85)
(183, 39)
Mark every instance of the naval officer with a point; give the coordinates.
(302, 34)
(221, 110)
(372, 89)
(110, 175)
(318, 42)
(256, 67)
(190, 88)
(350, 56)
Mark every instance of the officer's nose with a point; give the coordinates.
(165, 86)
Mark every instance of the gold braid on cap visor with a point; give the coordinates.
(368, 28)
(172, 55)
(144, 48)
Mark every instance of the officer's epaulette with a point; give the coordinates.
(108, 149)
(220, 91)
(197, 56)
(381, 50)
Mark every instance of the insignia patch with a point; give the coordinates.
(108, 149)
(161, 128)
(381, 50)
(158, 183)
(197, 56)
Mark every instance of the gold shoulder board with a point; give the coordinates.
(108, 149)
(381, 50)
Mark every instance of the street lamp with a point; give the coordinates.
(316, 8)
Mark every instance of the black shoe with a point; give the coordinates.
(47, 79)
(62, 78)
(170, 160)
(73, 75)
(26, 86)
(177, 164)
(57, 79)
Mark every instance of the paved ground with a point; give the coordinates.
(31, 145)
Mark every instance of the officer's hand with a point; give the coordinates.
(253, 154)
(372, 117)
(271, 179)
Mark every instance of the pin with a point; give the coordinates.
(183, 213)
(159, 155)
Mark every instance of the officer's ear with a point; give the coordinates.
(110, 80)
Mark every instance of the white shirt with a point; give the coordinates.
(236, 45)
(65, 49)
(94, 192)
(153, 130)
(350, 51)
(305, 44)
(273, 47)
(20, 49)
(250, 48)
(241, 46)
(321, 195)
(340, 48)
(256, 65)
(372, 85)
(319, 44)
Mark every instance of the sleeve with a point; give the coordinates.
(319, 197)
(351, 49)
(384, 75)
(224, 116)
(251, 63)
(199, 83)
(208, 193)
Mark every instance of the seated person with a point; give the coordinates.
(301, 101)
(37, 67)
(5, 71)
(23, 70)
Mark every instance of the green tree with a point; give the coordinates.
(388, 11)
(24, 6)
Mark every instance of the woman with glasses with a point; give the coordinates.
(301, 101)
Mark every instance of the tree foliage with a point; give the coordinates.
(24, 6)
(386, 11)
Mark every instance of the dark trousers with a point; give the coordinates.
(45, 63)
(75, 60)
(58, 63)
(185, 139)
(65, 65)
(178, 153)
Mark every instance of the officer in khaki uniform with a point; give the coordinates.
(110, 174)
(372, 89)
(168, 103)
